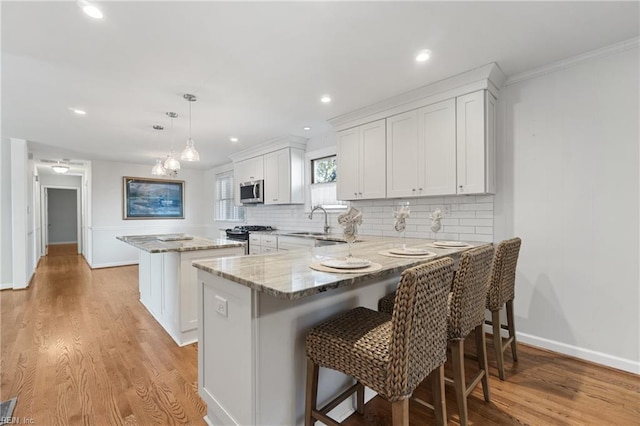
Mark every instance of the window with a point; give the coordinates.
(225, 203)
(323, 182)
(324, 170)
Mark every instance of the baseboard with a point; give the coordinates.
(60, 243)
(6, 286)
(113, 264)
(596, 357)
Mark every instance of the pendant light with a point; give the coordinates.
(190, 153)
(171, 164)
(158, 169)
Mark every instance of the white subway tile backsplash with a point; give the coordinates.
(471, 217)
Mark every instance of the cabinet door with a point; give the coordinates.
(403, 161)
(254, 169)
(348, 156)
(437, 148)
(373, 175)
(277, 177)
(471, 146)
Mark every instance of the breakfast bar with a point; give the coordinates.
(167, 282)
(254, 313)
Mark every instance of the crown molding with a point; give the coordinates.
(288, 141)
(489, 77)
(574, 60)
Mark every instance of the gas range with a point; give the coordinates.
(241, 233)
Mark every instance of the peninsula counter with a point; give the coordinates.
(168, 282)
(254, 313)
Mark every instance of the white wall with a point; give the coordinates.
(6, 257)
(107, 208)
(61, 180)
(568, 185)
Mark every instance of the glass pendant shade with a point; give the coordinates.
(171, 163)
(190, 153)
(158, 169)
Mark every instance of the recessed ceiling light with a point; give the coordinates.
(423, 55)
(325, 99)
(78, 111)
(233, 139)
(90, 9)
(306, 128)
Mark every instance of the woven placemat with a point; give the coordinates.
(407, 256)
(320, 267)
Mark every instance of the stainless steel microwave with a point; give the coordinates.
(252, 192)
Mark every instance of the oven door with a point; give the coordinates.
(251, 192)
(239, 236)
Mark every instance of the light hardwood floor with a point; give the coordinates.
(78, 348)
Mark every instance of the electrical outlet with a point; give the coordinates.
(221, 306)
(447, 209)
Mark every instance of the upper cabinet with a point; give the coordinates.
(280, 163)
(476, 124)
(248, 170)
(361, 162)
(283, 176)
(443, 149)
(439, 140)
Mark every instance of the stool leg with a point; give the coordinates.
(311, 395)
(457, 353)
(400, 412)
(481, 350)
(497, 342)
(360, 398)
(512, 329)
(439, 399)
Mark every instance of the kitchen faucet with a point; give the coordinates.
(326, 224)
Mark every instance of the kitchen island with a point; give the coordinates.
(254, 313)
(167, 281)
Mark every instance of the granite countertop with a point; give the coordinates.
(286, 275)
(152, 243)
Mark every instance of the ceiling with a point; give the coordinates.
(258, 69)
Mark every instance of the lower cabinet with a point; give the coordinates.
(262, 243)
(168, 289)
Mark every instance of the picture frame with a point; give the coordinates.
(146, 198)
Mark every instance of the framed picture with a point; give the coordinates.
(153, 198)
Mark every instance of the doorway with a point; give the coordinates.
(61, 220)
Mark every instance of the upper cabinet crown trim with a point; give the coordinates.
(289, 141)
(489, 77)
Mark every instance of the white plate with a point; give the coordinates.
(347, 263)
(450, 244)
(411, 251)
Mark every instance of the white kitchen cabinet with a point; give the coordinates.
(262, 243)
(421, 151)
(284, 176)
(403, 161)
(476, 124)
(362, 162)
(167, 283)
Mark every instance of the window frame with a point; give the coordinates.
(239, 213)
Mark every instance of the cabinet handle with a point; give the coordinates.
(275, 199)
(355, 193)
(251, 177)
(360, 193)
(419, 189)
(461, 190)
(414, 190)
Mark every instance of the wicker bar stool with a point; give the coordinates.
(465, 314)
(391, 354)
(501, 293)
